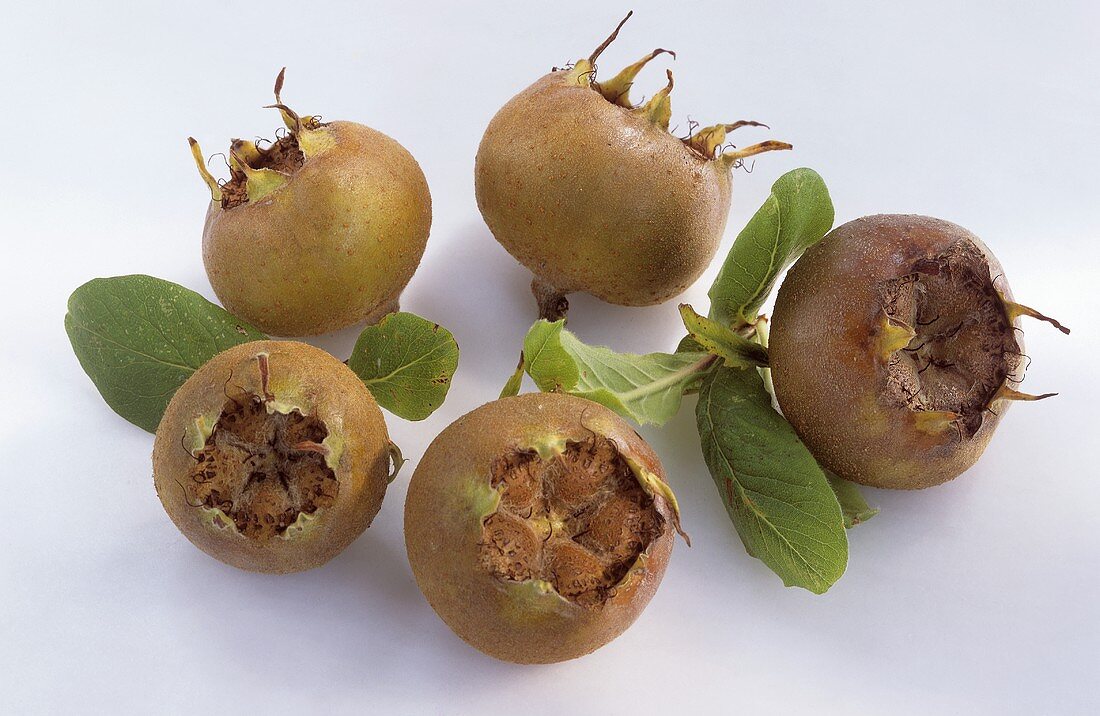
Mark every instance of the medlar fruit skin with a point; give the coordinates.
(595, 197)
(829, 377)
(299, 377)
(333, 247)
(449, 497)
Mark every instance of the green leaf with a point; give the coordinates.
(795, 216)
(734, 349)
(644, 388)
(407, 363)
(774, 491)
(139, 338)
(512, 386)
(852, 504)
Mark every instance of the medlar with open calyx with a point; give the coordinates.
(272, 457)
(318, 231)
(539, 527)
(895, 350)
(593, 194)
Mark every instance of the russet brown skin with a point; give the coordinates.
(593, 197)
(444, 509)
(332, 248)
(829, 381)
(320, 385)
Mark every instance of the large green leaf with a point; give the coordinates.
(795, 216)
(774, 491)
(139, 338)
(644, 388)
(407, 363)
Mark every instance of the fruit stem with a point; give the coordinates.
(200, 162)
(553, 305)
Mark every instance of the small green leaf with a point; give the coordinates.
(775, 492)
(139, 338)
(733, 348)
(512, 386)
(852, 504)
(644, 388)
(795, 216)
(688, 344)
(407, 363)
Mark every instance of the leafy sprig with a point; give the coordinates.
(788, 512)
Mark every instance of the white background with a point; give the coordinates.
(976, 597)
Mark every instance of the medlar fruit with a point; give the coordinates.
(593, 194)
(272, 457)
(318, 231)
(895, 350)
(539, 526)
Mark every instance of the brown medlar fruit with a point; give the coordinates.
(272, 457)
(539, 526)
(318, 231)
(594, 194)
(895, 350)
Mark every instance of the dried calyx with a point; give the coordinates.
(948, 340)
(263, 469)
(256, 171)
(577, 521)
(708, 142)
